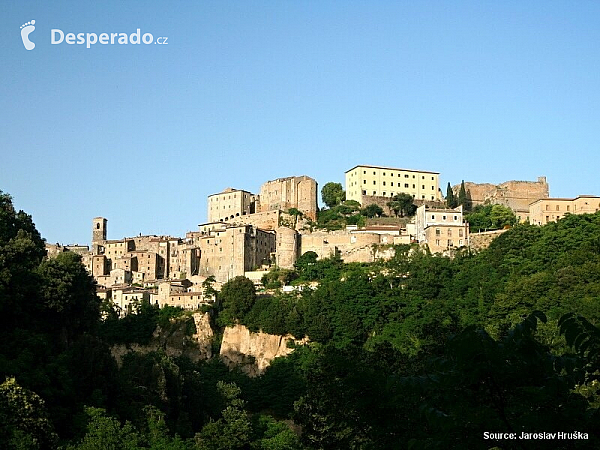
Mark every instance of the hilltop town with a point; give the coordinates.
(248, 234)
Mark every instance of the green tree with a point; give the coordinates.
(490, 217)
(106, 432)
(451, 200)
(71, 305)
(231, 431)
(24, 421)
(236, 299)
(372, 210)
(462, 196)
(333, 194)
(402, 204)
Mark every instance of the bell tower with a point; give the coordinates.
(98, 233)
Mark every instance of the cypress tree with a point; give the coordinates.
(450, 198)
(462, 196)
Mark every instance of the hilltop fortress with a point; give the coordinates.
(249, 233)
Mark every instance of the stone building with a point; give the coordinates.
(366, 181)
(441, 229)
(231, 203)
(517, 195)
(291, 192)
(548, 210)
(231, 251)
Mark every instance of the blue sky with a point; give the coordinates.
(246, 92)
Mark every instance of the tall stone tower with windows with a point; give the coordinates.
(98, 234)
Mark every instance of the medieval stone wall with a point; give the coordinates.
(517, 195)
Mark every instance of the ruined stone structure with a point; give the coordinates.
(375, 181)
(517, 195)
(291, 192)
(548, 210)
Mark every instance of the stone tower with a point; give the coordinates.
(287, 245)
(98, 233)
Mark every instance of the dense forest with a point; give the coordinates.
(421, 351)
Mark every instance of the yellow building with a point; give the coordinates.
(548, 210)
(375, 181)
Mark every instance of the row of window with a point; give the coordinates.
(438, 232)
(384, 194)
(443, 217)
(450, 243)
(392, 174)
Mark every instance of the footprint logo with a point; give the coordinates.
(26, 30)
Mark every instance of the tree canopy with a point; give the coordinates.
(333, 194)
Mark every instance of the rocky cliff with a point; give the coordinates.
(253, 352)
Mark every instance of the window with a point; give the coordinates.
(384, 174)
(455, 217)
(422, 186)
(364, 172)
(557, 207)
(450, 244)
(438, 232)
(405, 185)
(364, 192)
(413, 186)
(384, 182)
(432, 217)
(437, 242)
(384, 193)
(364, 181)
(449, 233)
(460, 242)
(374, 192)
(443, 217)
(392, 183)
(374, 173)
(460, 232)
(568, 207)
(432, 178)
(374, 182)
(547, 207)
(406, 176)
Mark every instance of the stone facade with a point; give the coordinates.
(350, 246)
(441, 229)
(291, 192)
(229, 252)
(287, 247)
(517, 195)
(375, 181)
(231, 203)
(482, 240)
(548, 210)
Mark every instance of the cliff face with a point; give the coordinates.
(253, 352)
(175, 342)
